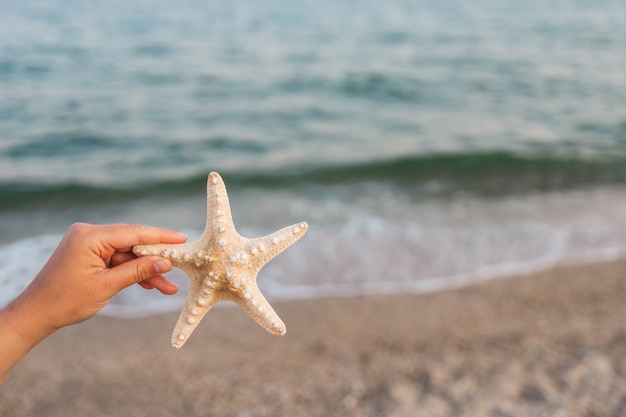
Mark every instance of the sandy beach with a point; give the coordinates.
(549, 344)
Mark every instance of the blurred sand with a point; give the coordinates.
(551, 344)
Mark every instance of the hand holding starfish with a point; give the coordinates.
(90, 265)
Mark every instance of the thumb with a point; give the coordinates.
(137, 270)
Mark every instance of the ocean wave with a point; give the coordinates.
(474, 173)
(378, 240)
(59, 144)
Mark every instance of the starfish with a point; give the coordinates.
(223, 265)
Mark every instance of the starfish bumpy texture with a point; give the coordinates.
(223, 265)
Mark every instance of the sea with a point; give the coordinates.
(429, 144)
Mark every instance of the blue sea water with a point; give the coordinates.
(428, 143)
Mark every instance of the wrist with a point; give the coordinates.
(21, 328)
(20, 331)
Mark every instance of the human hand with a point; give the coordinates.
(90, 265)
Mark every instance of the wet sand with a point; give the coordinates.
(549, 344)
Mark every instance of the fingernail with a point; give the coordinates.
(162, 266)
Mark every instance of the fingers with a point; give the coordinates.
(139, 270)
(162, 284)
(113, 244)
(146, 285)
(125, 236)
(119, 258)
(159, 281)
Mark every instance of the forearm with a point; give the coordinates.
(20, 330)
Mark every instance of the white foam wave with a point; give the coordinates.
(392, 244)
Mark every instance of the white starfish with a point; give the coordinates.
(223, 265)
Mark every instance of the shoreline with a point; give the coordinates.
(542, 344)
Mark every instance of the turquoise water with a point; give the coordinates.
(127, 93)
(428, 143)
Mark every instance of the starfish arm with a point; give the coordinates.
(175, 252)
(160, 249)
(200, 300)
(268, 247)
(257, 307)
(218, 207)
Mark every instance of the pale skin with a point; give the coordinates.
(91, 264)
